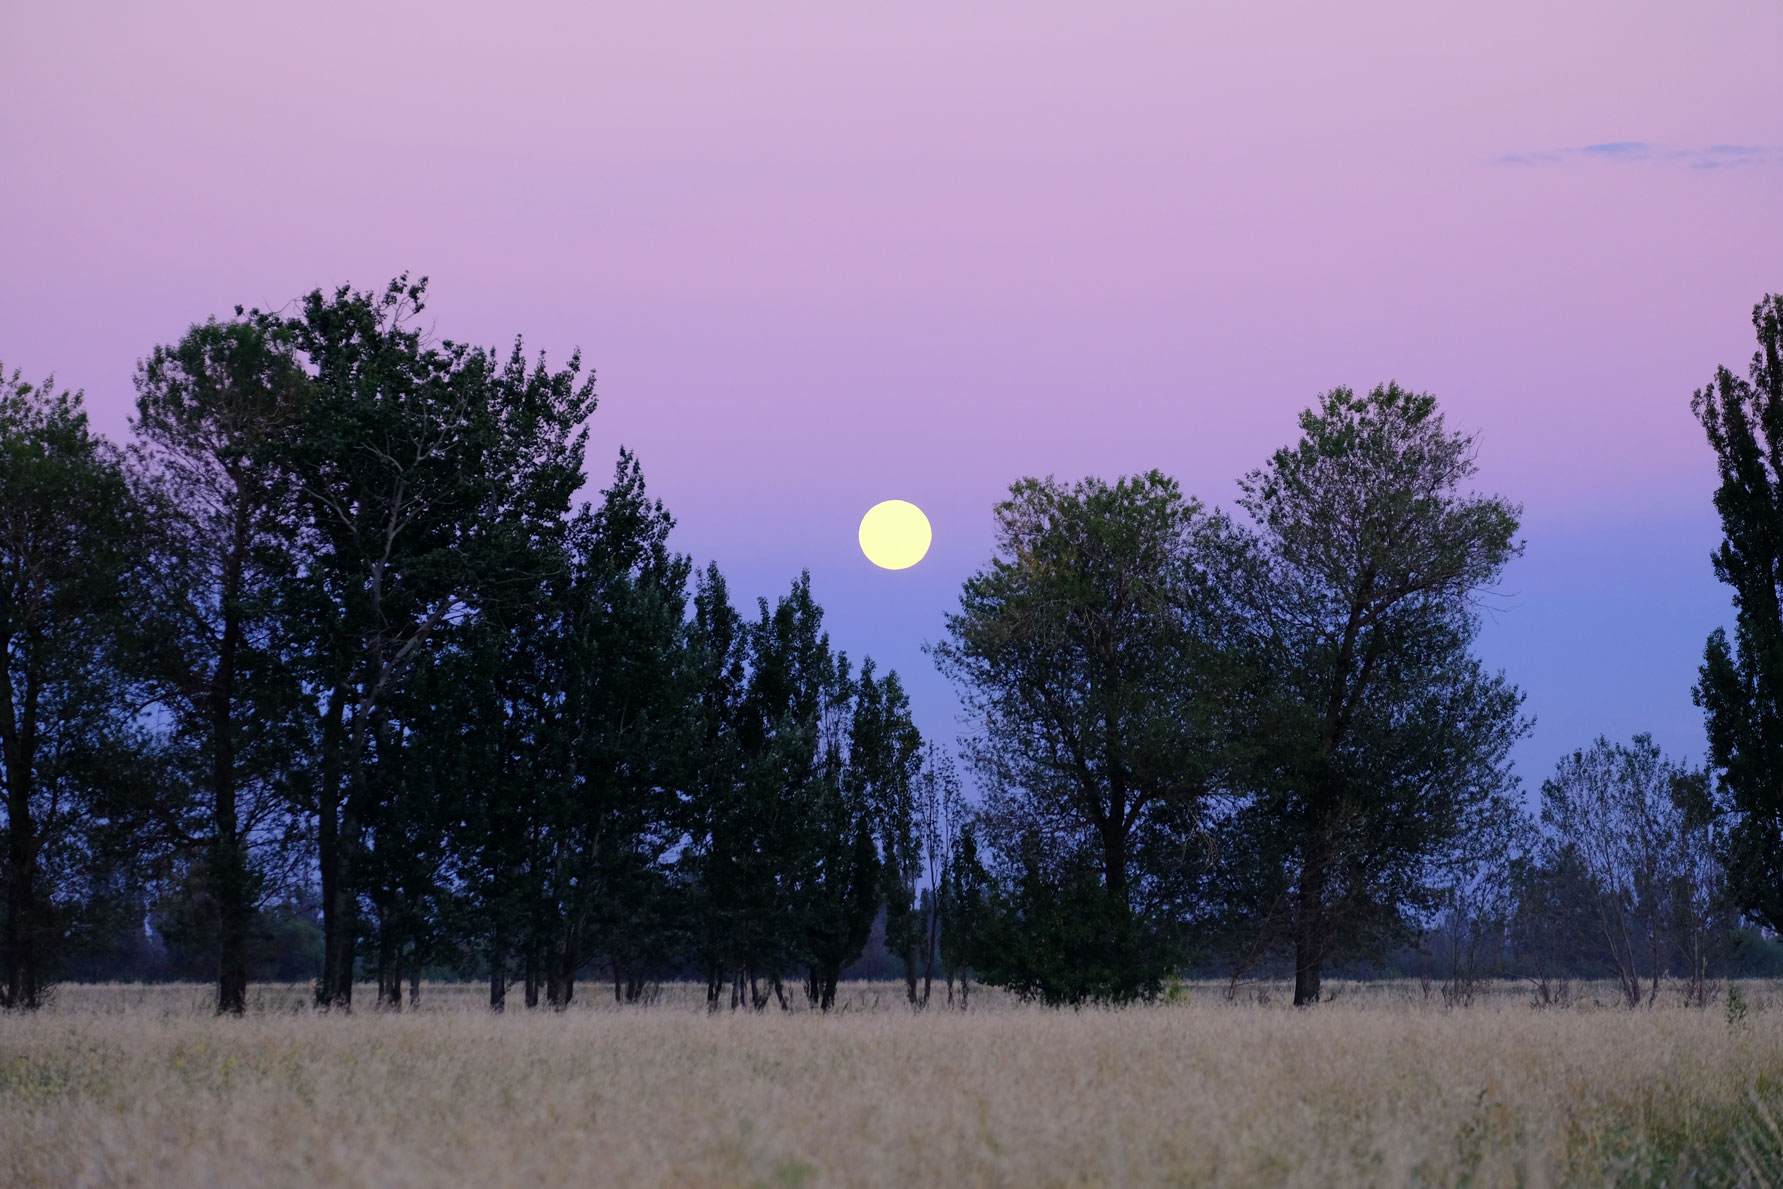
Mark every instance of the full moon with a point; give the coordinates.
(895, 534)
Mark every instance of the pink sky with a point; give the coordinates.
(823, 254)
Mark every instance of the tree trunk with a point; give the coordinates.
(821, 985)
(390, 965)
(560, 980)
(1309, 930)
(234, 912)
(1307, 963)
(18, 745)
(229, 860)
(346, 898)
(343, 949)
(1622, 953)
(1114, 858)
(1657, 947)
(387, 973)
(21, 893)
(933, 938)
(328, 847)
(498, 976)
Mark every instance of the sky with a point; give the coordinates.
(823, 254)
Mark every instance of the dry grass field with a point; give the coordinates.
(1382, 1086)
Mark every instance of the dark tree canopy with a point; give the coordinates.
(1740, 687)
(68, 744)
(206, 631)
(332, 636)
(1262, 738)
(1376, 734)
(1086, 653)
(335, 672)
(428, 477)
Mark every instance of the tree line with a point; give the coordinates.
(330, 646)
(329, 629)
(1263, 741)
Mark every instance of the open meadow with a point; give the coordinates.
(143, 1085)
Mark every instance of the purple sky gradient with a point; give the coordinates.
(824, 254)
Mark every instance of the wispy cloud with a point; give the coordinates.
(1715, 156)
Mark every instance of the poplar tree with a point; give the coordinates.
(1740, 685)
(784, 869)
(718, 861)
(779, 819)
(618, 814)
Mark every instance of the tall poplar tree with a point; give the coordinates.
(773, 826)
(624, 680)
(1740, 687)
(784, 867)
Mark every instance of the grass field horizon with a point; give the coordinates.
(142, 1084)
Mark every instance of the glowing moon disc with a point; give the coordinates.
(895, 534)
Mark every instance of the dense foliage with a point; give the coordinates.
(329, 657)
(1741, 685)
(330, 675)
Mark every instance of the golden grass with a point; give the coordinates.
(143, 1086)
